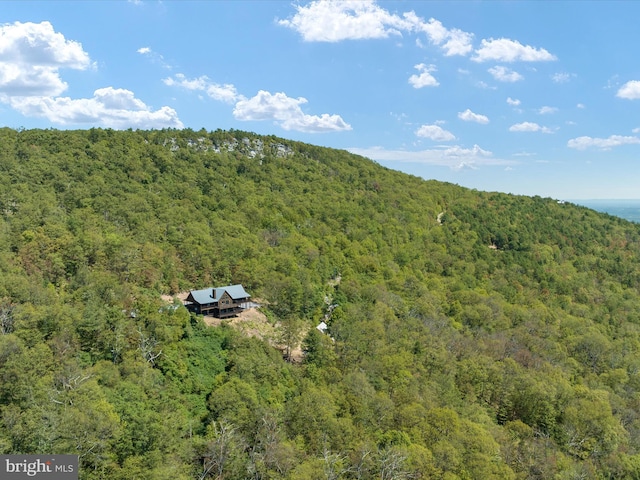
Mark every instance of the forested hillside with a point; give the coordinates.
(471, 335)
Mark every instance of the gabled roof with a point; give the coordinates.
(211, 295)
(202, 296)
(234, 291)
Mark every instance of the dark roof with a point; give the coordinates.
(234, 291)
(210, 295)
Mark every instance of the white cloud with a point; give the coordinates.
(278, 107)
(505, 50)
(15, 80)
(223, 93)
(514, 102)
(31, 55)
(529, 127)
(455, 157)
(504, 74)
(547, 110)
(452, 41)
(582, 143)
(561, 77)
(154, 57)
(425, 79)
(337, 20)
(39, 44)
(636, 130)
(458, 43)
(434, 29)
(287, 113)
(581, 105)
(333, 21)
(435, 132)
(469, 116)
(485, 85)
(109, 107)
(630, 90)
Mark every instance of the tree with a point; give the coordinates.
(291, 329)
(222, 456)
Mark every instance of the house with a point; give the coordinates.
(220, 302)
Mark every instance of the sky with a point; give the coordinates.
(531, 98)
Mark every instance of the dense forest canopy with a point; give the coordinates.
(471, 335)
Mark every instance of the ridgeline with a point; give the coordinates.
(471, 335)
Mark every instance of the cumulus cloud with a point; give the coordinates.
(529, 127)
(469, 116)
(452, 41)
(514, 102)
(333, 21)
(506, 50)
(287, 113)
(546, 110)
(338, 20)
(223, 93)
(458, 43)
(424, 79)
(37, 43)
(454, 157)
(504, 74)
(31, 56)
(279, 108)
(144, 50)
(109, 107)
(435, 132)
(582, 143)
(630, 90)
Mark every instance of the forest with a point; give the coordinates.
(471, 335)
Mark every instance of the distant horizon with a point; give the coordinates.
(628, 209)
(604, 200)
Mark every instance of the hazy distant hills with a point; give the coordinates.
(471, 335)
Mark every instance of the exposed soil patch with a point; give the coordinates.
(250, 322)
(182, 296)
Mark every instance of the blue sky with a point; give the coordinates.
(533, 98)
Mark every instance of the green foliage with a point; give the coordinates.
(470, 334)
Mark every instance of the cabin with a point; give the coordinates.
(219, 302)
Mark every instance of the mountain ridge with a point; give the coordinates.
(474, 334)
